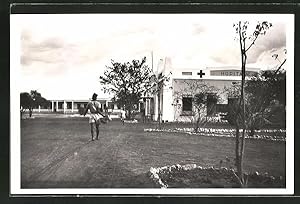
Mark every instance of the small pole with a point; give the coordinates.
(152, 59)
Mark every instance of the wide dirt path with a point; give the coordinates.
(59, 153)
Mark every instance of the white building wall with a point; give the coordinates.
(155, 107)
(171, 110)
(167, 108)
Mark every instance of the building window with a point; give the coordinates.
(187, 73)
(187, 104)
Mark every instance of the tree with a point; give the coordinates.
(26, 102)
(264, 100)
(129, 82)
(246, 42)
(32, 100)
(200, 94)
(276, 81)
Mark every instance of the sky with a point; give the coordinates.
(62, 55)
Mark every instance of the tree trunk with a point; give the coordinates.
(128, 108)
(237, 152)
(196, 128)
(241, 149)
(244, 57)
(252, 132)
(242, 158)
(158, 110)
(30, 112)
(129, 113)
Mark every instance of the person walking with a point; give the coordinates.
(123, 116)
(95, 115)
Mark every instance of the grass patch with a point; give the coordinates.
(55, 153)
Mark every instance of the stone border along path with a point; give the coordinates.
(214, 132)
(154, 172)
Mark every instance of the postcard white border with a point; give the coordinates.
(15, 145)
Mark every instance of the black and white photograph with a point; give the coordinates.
(159, 104)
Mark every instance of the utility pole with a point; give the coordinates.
(152, 59)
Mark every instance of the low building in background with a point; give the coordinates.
(174, 108)
(166, 103)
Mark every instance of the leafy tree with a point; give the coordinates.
(264, 100)
(26, 103)
(129, 82)
(276, 82)
(32, 100)
(246, 40)
(201, 94)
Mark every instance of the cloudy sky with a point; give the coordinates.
(63, 55)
